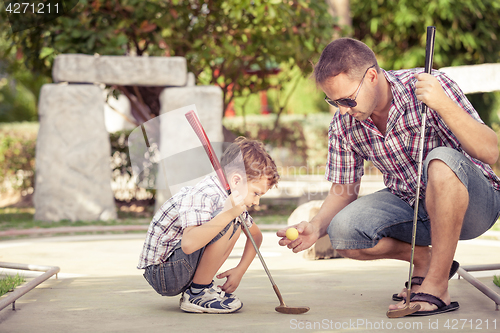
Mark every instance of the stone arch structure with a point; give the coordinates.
(73, 176)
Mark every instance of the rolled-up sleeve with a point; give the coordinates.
(343, 166)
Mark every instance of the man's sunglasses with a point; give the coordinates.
(348, 102)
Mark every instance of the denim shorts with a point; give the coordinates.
(365, 221)
(173, 276)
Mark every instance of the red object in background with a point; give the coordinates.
(230, 110)
(260, 72)
(264, 107)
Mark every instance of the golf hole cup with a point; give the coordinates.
(292, 234)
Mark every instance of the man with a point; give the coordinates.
(379, 120)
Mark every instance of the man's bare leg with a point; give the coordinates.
(447, 200)
(214, 256)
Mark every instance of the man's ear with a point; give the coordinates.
(372, 75)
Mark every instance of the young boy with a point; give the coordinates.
(193, 233)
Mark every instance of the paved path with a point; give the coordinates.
(100, 290)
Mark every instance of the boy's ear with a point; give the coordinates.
(236, 179)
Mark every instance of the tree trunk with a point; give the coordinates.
(341, 10)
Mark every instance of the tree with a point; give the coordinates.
(467, 33)
(341, 10)
(223, 41)
(19, 87)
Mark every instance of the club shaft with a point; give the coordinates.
(429, 55)
(247, 231)
(417, 199)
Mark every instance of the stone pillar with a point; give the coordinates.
(73, 176)
(125, 71)
(209, 105)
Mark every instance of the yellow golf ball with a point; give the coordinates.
(292, 234)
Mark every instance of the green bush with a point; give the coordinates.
(17, 162)
(297, 141)
(17, 156)
(496, 166)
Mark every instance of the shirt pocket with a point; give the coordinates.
(411, 143)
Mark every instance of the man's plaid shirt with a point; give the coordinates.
(396, 154)
(191, 206)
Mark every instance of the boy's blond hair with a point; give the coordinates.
(256, 160)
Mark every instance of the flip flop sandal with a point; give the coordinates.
(431, 299)
(417, 280)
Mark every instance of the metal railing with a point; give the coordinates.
(49, 271)
(464, 272)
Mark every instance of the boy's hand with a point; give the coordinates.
(235, 204)
(233, 276)
(308, 235)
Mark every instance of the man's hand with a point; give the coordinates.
(429, 91)
(233, 276)
(308, 235)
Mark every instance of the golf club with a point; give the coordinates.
(407, 310)
(200, 132)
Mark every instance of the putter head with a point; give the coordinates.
(291, 310)
(407, 310)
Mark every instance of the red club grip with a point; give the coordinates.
(195, 123)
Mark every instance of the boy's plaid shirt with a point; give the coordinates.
(396, 155)
(192, 206)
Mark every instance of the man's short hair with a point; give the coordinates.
(253, 156)
(344, 55)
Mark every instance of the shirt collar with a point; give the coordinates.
(400, 92)
(218, 184)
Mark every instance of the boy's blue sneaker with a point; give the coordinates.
(209, 300)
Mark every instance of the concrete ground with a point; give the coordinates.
(100, 290)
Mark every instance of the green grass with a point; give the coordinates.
(8, 283)
(272, 214)
(22, 218)
(496, 280)
(496, 226)
(270, 219)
